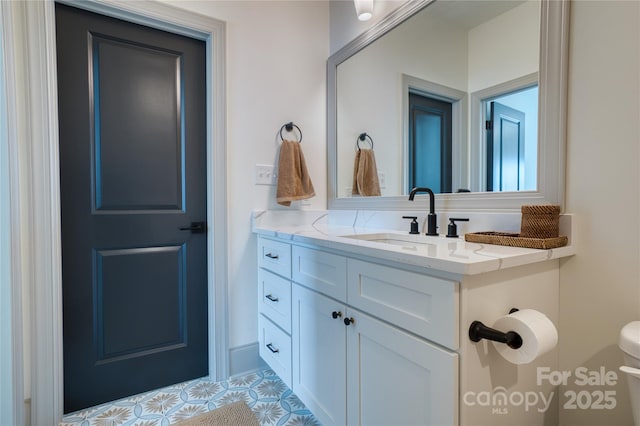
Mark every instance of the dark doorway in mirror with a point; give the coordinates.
(505, 148)
(429, 145)
(511, 140)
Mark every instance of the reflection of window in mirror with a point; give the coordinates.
(429, 148)
(511, 125)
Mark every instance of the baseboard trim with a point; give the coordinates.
(245, 359)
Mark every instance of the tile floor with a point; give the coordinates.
(270, 399)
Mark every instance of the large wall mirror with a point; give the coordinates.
(467, 97)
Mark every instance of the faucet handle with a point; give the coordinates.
(452, 229)
(414, 224)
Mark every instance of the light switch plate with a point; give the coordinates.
(265, 174)
(382, 180)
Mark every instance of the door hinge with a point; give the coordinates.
(488, 125)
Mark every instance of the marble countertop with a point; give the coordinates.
(453, 255)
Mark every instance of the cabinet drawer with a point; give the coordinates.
(422, 304)
(275, 348)
(275, 256)
(320, 271)
(274, 299)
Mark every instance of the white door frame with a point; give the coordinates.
(11, 343)
(41, 253)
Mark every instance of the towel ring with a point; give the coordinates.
(362, 138)
(289, 128)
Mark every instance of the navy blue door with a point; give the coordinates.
(430, 143)
(505, 148)
(132, 116)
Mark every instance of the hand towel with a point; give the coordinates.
(365, 174)
(294, 182)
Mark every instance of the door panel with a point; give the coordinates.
(132, 123)
(123, 279)
(505, 148)
(149, 79)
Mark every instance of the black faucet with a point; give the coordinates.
(432, 219)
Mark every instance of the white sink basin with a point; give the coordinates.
(404, 240)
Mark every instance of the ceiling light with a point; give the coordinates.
(364, 9)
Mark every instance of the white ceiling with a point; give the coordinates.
(471, 13)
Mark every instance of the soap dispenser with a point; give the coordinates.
(414, 224)
(452, 229)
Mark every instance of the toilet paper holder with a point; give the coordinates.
(479, 331)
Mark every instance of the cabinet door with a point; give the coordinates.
(395, 378)
(319, 355)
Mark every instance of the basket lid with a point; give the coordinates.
(630, 339)
(551, 209)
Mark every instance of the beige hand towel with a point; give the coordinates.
(294, 182)
(365, 174)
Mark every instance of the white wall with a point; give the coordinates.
(600, 286)
(517, 53)
(276, 61)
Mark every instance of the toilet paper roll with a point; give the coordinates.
(538, 333)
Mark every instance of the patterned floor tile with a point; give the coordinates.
(270, 399)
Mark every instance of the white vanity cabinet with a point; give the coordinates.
(405, 357)
(370, 344)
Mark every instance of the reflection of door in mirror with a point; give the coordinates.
(505, 147)
(511, 121)
(430, 133)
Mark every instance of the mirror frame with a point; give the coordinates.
(552, 110)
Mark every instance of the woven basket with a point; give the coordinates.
(540, 221)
